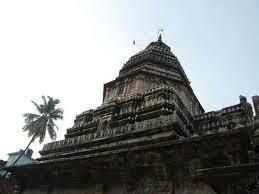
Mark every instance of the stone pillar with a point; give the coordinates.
(44, 185)
(162, 184)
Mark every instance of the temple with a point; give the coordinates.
(150, 135)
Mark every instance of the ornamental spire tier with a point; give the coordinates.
(152, 67)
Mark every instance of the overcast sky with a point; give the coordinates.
(69, 49)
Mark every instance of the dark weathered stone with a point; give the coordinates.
(256, 105)
(150, 135)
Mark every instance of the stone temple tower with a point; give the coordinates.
(152, 67)
(149, 136)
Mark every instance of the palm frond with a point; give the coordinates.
(51, 104)
(57, 114)
(42, 135)
(51, 130)
(29, 117)
(37, 126)
(38, 107)
(32, 131)
(56, 101)
(31, 125)
(44, 100)
(41, 129)
(45, 104)
(51, 122)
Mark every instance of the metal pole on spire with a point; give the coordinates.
(160, 30)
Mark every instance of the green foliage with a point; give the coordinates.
(41, 123)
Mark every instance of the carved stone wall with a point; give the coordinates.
(146, 186)
(145, 172)
(142, 83)
(256, 105)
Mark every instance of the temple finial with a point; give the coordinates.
(159, 38)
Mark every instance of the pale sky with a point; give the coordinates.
(69, 49)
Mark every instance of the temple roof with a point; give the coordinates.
(159, 48)
(156, 52)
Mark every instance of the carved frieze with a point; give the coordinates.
(228, 118)
(146, 125)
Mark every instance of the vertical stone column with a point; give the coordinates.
(162, 184)
(44, 185)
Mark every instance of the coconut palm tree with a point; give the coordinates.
(42, 122)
